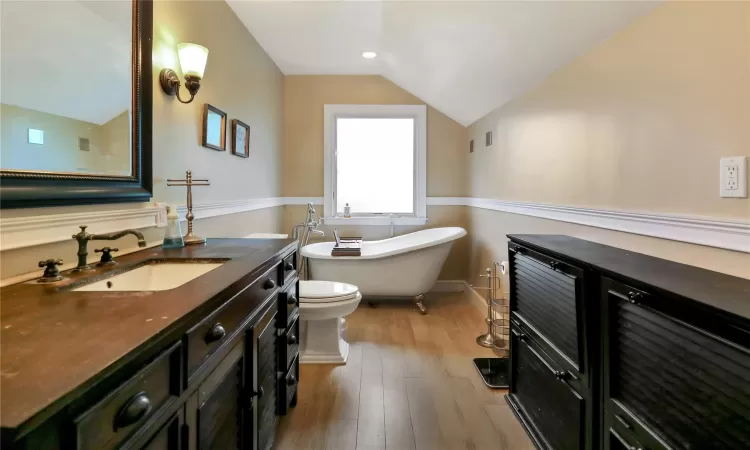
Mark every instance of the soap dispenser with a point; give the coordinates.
(173, 233)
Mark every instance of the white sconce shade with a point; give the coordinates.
(192, 59)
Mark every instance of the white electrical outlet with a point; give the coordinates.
(733, 176)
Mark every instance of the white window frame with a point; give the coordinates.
(416, 112)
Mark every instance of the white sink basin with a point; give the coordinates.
(152, 277)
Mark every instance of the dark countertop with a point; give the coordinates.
(713, 289)
(53, 341)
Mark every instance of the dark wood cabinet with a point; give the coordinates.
(615, 350)
(669, 383)
(213, 385)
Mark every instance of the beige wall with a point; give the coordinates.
(304, 97)
(116, 135)
(241, 80)
(637, 123)
(59, 152)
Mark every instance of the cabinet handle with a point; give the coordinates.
(623, 422)
(554, 265)
(559, 374)
(216, 333)
(260, 392)
(134, 410)
(269, 284)
(634, 296)
(292, 300)
(291, 340)
(623, 441)
(288, 266)
(291, 381)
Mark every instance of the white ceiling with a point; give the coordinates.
(68, 58)
(464, 58)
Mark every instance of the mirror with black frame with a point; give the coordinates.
(75, 102)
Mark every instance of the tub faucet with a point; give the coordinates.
(84, 237)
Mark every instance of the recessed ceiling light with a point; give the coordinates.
(369, 55)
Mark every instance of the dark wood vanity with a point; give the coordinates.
(616, 350)
(209, 364)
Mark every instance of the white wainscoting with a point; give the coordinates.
(727, 234)
(22, 232)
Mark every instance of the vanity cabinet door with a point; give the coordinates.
(216, 411)
(265, 374)
(168, 436)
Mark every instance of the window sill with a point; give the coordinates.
(386, 221)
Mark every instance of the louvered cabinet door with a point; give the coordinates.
(547, 296)
(668, 384)
(551, 409)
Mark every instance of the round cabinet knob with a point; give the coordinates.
(292, 300)
(289, 266)
(291, 340)
(269, 284)
(560, 375)
(217, 332)
(554, 265)
(291, 380)
(134, 410)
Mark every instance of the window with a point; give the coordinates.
(375, 161)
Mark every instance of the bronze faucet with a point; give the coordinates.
(83, 239)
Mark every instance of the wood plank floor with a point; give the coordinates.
(409, 385)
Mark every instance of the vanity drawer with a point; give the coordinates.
(288, 267)
(288, 305)
(288, 345)
(203, 339)
(128, 407)
(287, 388)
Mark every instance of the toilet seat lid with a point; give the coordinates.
(317, 291)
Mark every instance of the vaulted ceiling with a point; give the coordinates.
(464, 58)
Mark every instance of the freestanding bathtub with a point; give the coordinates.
(402, 266)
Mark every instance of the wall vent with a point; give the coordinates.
(83, 144)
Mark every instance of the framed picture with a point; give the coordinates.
(214, 128)
(240, 138)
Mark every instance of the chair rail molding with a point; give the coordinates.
(19, 232)
(720, 233)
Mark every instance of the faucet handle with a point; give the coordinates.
(106, 254)
(51, 272)
(51, 263)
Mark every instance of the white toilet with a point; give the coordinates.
(322, 307)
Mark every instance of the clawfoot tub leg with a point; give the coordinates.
(419, 301)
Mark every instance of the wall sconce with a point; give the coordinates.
(193, 62)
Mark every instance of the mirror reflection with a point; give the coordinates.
(65, 87)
